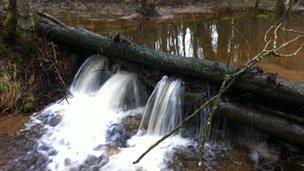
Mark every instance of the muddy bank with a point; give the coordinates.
(167, 9)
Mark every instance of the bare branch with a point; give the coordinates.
(266, 34)
(228, 81)
(292, 31)
(291, 54)
(175, 129)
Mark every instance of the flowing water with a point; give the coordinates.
(97, 128)
(88, 78)
(164, 108)
(87, 130)
(109, 118)
(85, 116)
(162, 113)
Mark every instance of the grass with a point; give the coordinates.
(10, 91)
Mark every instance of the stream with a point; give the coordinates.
(109, 117)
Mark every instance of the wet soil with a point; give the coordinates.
(166, 9)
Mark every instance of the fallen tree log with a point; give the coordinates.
(253, 81)
(264, 122)
(122, 50)
(275, 123)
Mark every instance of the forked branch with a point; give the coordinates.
(271, 48)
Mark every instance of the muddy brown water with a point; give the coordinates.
(239, 36)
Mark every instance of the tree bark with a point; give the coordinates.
(25, 15)
(257, 2)
(275, 123)
(140, 59)
(284, 7)
(281, 8)
(254, 81)
(264, 122)
(10, 23)
(147, 8)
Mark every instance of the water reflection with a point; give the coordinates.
(238, 37)
(214, 38)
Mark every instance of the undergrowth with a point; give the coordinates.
(33, 73)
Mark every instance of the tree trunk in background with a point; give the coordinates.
(18, 15)
(2, 6)
(256, 6)
(25, 15)
(147, 8)
(290, 5)
(284, 7)
(281, 8)
(10, 23)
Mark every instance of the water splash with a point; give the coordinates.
(88, 78)
(164, 108)
(154, 160)
(162, 113)
(84, 121)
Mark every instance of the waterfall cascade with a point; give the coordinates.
(75, 130)
(97, 103)
(163, 110)
(86, 115)
(88, 78)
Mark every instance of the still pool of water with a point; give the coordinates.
(238, 36)
(89, 131)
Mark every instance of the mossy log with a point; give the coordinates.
(269, 86)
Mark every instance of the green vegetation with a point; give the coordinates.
(14, 95)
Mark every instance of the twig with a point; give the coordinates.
(292, 31)
(175, 129)
(228, 81)
(54, 64)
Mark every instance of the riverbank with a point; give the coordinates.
(49, 71)
(33, 73)
(167, 10)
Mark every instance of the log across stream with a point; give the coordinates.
(266, 85)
